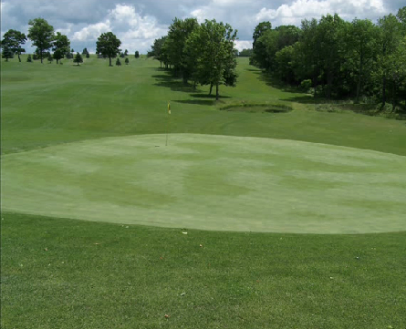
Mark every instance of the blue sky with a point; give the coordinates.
(138, 23)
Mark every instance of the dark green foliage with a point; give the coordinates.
(108, 45)
(12, 42)
(127, 61)
(41, 34)
(118, 62)
(78, 58)
(245, 53)
(158, 51)
(357, 59)
(50, 58)
(6, 52)
(29, 58)
(137, 54)
(60, 46)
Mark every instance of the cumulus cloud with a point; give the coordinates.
(138, 22)
(134, 30)
(305, 9)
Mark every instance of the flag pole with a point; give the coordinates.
(167, 123)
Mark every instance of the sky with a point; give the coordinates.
(138, 23)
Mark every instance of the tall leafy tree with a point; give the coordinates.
(13, 40)
(108, 45)
(389, 37)
(175, 43)
(61, 46)
(42, 35)
(136, 54)
(159, 51)
(214, 44)
(259, 52)
(361, 51)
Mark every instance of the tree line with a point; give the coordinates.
(336, 58)
(44, 38)
(200, 53)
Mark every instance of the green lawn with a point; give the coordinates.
(79, 145)
(211, 182)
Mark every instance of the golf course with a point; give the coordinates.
(259, 210)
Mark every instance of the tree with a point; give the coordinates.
(13, 40)
(179, 32)
(126, 52)
(42, 35)
(108, 45)
(258, 49)
(389, 37)
(137, 54)
(29, 58)
(60, 46)
(213, 44)
(245, 53)
(361, 51)
(118, 62)
(6, 52)
(159, 51)
(84, 52)
(127, 61)
(50, 58)
(78, 59)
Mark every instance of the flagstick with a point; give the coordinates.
(167, 126)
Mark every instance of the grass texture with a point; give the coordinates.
(211, 182)
(80, 143)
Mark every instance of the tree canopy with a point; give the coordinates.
(12, 42)
(108, 45)
(42, 35)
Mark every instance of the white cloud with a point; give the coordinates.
(301, 9)
(92, 32)
(134, 30)
(242, 44)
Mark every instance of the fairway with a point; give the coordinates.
(211, 182)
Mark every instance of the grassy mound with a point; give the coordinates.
(211, 182)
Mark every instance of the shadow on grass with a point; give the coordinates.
(213, 96)
(168, 81)
(197, 102)
(276, 83)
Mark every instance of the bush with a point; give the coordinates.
(306, 85)
(29, 58)
(118, 63)
(127, 61)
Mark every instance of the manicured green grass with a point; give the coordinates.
(64, 273)
(212, 182)
(50, 104)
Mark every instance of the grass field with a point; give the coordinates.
(86, 144)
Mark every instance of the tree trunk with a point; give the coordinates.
(217, 92)
(384, 90)
(361, 67)
(110, 61)
(19, 59)
(211, 88)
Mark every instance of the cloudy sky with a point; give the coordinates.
(138, 23)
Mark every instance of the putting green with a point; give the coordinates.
(211, 182)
